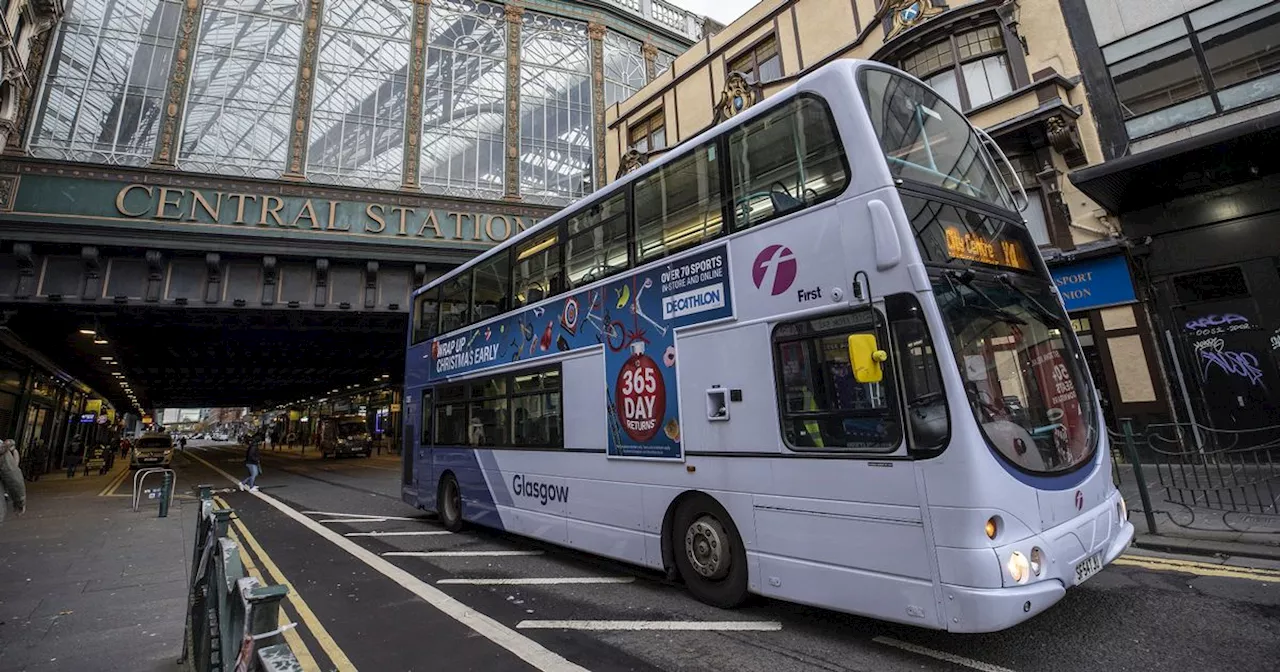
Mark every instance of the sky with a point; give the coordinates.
(724, 11)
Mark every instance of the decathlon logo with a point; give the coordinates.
(775, 269)
(693, 301)
(543, 492)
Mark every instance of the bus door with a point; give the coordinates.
(424, 471)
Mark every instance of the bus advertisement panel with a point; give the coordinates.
(634, 318)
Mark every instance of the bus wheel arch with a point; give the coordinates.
(449, 502)
(702, 545)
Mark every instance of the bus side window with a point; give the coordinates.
(536, 272)
(680, 205)
(928, 421)
(426, 315)
(597, 243)
(785, 161)
(455, 303)
(823, 406)
(490, 288)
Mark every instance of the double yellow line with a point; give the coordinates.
(115, 482)
(1198, 568)
(331, 649)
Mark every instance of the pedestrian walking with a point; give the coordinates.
(251, 456)
(74, 451)
(11, 479)
(267, 437)
(182, 444)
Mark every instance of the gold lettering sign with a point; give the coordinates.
(140, 201)
(972, 246)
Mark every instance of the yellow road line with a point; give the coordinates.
(313, 624)
(296, 645)
(114, 482)
(1199, 568)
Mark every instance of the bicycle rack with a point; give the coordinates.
(140, 477)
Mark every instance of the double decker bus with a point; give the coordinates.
(811, 354)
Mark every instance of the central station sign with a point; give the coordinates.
(70, 200)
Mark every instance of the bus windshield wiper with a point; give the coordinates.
(1049, 315)
(966, 278)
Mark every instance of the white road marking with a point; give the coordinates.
(356, 515)
(526, 649)
(704, 626)
(421, 533)
(354, 520)
(551, 581)
(939, 655)
(458, 554)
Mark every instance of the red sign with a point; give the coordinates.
(1062, 400)
(641, 397)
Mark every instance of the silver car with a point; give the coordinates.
(152, 450)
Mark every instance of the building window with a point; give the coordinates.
(1215, 59)
(761, 63)
(357, 120)
(1027, 166)
(968, 69)
(464, 102)
(623, 68)
(649, 134)
(823, 406)
(662, 63)
(240, 106)
(555, 109)
(103, 97)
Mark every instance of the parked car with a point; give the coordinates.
(152, 450)
(345, 435)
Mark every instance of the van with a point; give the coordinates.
(345, 435)
(152, 450)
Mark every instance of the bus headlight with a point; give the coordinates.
(1037, 560)
(992, 527)
(1019, 568)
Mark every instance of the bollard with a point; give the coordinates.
(165, 490)
(1132, 452)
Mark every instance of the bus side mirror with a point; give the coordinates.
(865, 357)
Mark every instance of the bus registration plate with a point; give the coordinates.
(1088, 567)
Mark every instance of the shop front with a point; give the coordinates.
(1097, 288)
(1203, 213)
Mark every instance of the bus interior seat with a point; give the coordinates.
(783, 202)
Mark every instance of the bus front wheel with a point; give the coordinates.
(709, 553)
(449, 503)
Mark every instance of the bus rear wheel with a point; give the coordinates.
(709, 553)
(449, 503)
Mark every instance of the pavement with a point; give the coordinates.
(1198, 530)
(86, 583)
(388, 589)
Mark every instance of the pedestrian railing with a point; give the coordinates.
(232, 618)
(166, 490)
(1220, 469)
(1199, 467)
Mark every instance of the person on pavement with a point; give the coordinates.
(11, 479)
(182, 443)
(251, 456)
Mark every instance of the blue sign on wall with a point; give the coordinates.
(634, 317)
(1095, 283)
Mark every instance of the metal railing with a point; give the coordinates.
(1219, 469)
(1200, 467)
(232, 618)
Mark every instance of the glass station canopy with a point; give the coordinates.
(103, 100)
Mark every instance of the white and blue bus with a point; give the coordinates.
(811, 354)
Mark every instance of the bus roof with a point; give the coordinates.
(672, 153)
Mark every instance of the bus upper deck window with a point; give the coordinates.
(536, 270)
(426, 315)
(785, 161)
